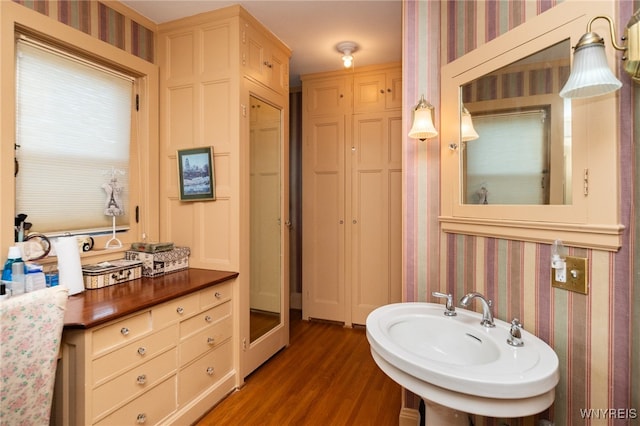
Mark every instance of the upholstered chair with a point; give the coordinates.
(30, 334)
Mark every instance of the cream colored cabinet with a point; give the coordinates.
(326, 95)
(211, 66)
(377, 91)
(263, 60)
(166, 364)
(324, 217)
(352, 177)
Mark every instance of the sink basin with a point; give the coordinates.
(457, 363)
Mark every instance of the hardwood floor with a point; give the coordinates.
(325, 377)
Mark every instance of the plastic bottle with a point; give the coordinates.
(14, 271)
(34, 279)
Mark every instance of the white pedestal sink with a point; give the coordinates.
(458, 366)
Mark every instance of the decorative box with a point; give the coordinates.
(151, 247)
(104, 274)
(160, 263)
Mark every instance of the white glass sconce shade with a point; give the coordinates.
(423, 127)
(467, 131)
(590, 75)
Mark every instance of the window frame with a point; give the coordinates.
(144, 164)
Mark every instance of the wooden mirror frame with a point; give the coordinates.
(593, 218)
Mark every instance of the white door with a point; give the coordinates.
(323, 218)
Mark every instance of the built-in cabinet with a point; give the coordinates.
(352, 184)
(167, 363)
(263, 60)
(213, 68)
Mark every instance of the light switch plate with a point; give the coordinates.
(577, 278)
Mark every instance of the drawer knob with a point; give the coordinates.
(141, 419)
(218, 295)
(141, 379)
(142, 350)
(210, 371)
(124, 331)
(180, 310)
(211, 340)
(208, 318)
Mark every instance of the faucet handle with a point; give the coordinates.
(450, 308)
(515, 334)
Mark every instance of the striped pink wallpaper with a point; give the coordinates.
(109, 25)
(596, 337)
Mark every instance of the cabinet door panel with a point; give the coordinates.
(376, 225)
(323, 218)
(369, 92)
(326, 97)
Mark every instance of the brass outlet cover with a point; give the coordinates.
(577, 278)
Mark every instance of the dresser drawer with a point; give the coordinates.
(134, 353)
(133, 382)
(121, 332)
(204, 372)
(149, 409)
(175, 310)
(216, 294)
(204, 319)
(210, 337)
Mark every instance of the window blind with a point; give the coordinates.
(73, 131)
(510, 159)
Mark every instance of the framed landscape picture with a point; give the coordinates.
(196, 175)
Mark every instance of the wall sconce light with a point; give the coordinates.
(591, 75)
(347, 48)
(467, 131)
(422, 121)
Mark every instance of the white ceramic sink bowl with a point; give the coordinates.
(457, 363)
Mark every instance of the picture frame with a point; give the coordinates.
(196, 177)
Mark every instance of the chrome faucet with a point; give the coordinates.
(487, 316)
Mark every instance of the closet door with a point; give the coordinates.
(323, 217)
(376, 204)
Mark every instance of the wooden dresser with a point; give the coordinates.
(150, 351)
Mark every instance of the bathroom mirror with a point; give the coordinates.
(499, 81)
(523, 151)
(265, 221)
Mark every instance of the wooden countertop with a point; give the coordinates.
(95, 307)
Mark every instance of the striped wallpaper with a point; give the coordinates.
(101, 21)
(596, 337)
(511, 85)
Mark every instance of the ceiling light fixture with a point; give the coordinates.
(347, 48)
(591, 75)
